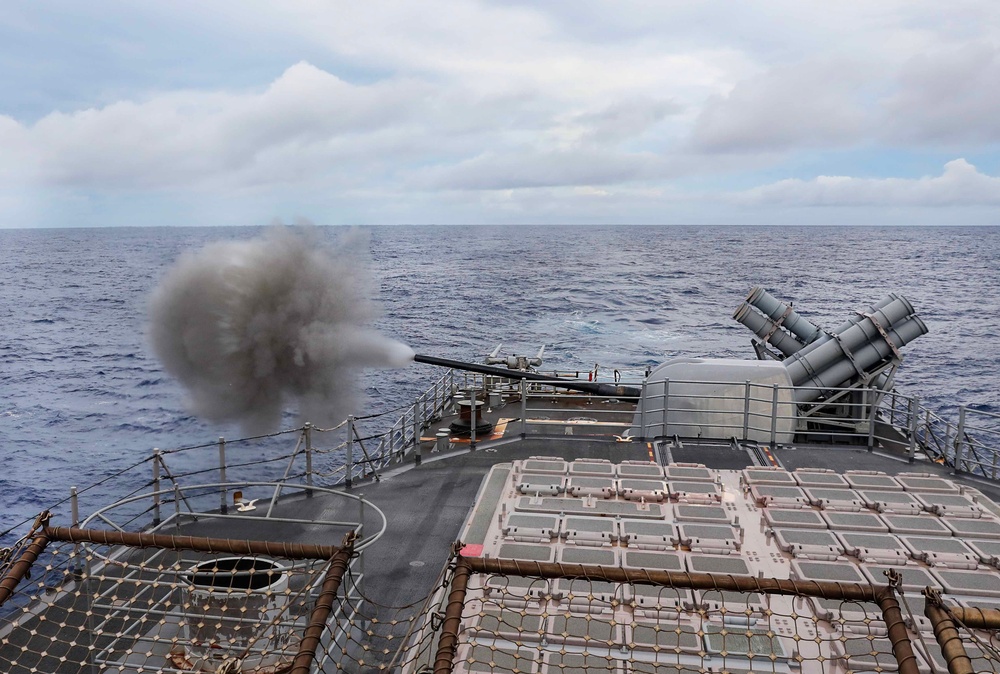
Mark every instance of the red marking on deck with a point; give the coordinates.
(472, 551)
(498, 430)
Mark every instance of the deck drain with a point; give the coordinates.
(416, 562)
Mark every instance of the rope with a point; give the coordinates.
(382, 414)
(332, 428)
(228, 442)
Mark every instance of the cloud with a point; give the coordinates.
(186, 138)
(309, 126)
(404, 112)
(960, 185)
(949, 95)
(804, 105)
(528, 169)
(623, 119)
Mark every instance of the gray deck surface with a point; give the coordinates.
(425, 505)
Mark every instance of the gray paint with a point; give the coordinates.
(802, 329)
(765, 328)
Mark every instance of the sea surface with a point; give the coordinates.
(82, 396)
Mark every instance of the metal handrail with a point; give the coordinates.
(970, 445)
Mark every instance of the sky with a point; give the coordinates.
(146, 113)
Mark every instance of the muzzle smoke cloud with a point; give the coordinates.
(248, 327)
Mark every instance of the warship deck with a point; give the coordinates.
(426, 505)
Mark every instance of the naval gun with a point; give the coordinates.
(805, 376)
(595, 388)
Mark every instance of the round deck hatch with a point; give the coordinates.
(233, 609)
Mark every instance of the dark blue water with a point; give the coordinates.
(81, 395)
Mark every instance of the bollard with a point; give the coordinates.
(443, 439)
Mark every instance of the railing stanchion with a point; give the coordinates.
(524, 408)
(960, 440)
(416, 429)
(156, 487)
(475, 404)
(666, 405)
(223, 506)
(746, 410)
(914, 415)
(349, 458)
(872, 409)
(774, 415)
(74, 507)
(74, 514)
(307, 431)
(642, 412)
(361, 536)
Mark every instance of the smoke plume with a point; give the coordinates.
(249, 326)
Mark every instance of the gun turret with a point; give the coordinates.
(708, 397)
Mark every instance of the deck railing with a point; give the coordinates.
(363, 446)
(969, 444)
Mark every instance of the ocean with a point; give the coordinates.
(82, 396)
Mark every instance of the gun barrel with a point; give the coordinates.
(608, 390)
